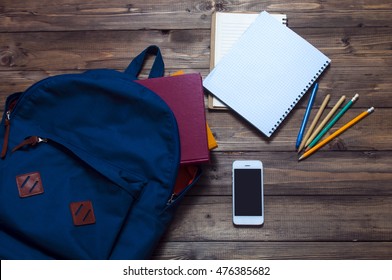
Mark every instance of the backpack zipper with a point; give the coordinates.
(7, 124)
(6, 134)
(32, 141)
(171, 199)
(12, 106)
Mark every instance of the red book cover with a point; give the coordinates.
(184, 95)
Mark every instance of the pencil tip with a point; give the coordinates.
(300, 158)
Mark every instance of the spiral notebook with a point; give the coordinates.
(266, 73)
(226, 29)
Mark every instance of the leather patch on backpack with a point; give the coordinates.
(82, 213)
(29, 184)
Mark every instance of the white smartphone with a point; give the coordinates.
(248, 192)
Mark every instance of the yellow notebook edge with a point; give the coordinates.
(210, 100)
(210, 97)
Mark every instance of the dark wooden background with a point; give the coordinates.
(335, 205)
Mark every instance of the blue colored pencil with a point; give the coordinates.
(306, 116)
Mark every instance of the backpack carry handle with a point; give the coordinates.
(136, 65)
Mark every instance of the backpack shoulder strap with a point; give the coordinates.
(136, 65)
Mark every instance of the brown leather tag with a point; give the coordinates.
(82, 213)
(29, 184)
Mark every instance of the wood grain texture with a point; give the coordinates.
(273, 250)
(337, 204)
(287, 218)
(122, 15)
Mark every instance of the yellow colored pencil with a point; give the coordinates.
(337, 133)
(325, 120)
(314, 122)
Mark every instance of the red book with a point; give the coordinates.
(184, 95)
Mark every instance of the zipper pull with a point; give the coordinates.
(171, 199)
(6, 134)
(32, 141)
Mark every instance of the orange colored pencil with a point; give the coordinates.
(337, 133)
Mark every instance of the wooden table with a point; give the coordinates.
(335, 205)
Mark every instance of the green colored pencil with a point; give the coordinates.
(332, 122)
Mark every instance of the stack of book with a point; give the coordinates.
(184, 94)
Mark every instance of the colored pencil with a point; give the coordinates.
(314, 122)
(325, 120)
(306, 116)
(333, 121)
(337, 133)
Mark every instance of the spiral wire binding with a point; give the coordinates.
(288, 110)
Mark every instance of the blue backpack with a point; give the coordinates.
(88, 166)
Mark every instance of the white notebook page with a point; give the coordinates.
(229, 28)
(266, 72)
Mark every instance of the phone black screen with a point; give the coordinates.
(247, 188)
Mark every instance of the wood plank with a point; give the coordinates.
(331, 173)
(357, 47)
(121, 15)
(99, 7)
(287, 218)
(273, 250)
(81, 50)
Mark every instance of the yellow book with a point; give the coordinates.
(212, 144)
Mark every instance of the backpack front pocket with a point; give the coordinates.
(71, 203)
